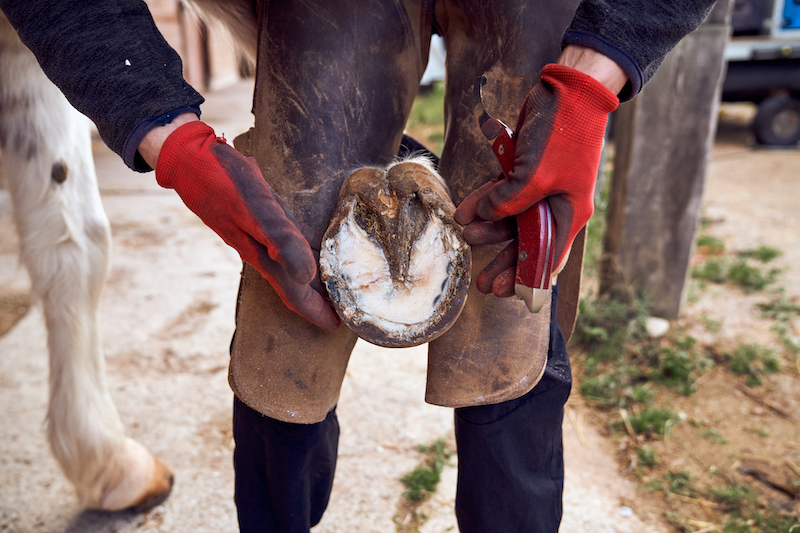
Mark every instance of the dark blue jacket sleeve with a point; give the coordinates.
(110, 61)
(637, 34)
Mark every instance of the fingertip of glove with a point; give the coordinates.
(503, 284)
(471, 234)
(476, 234)
(325, 317)
(484, 283)
(464, 215)
(332, 324)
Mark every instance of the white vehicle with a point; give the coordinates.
(764, 67)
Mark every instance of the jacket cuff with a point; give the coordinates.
(130, 151)
(619, 56)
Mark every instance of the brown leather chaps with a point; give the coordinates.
(334, 86)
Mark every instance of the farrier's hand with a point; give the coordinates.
(228, 192)
(559, 138)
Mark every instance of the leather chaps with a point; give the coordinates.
(335, 81)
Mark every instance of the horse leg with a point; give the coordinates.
(65, 239)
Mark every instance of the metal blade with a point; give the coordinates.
(490, 127)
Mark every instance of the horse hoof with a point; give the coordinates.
(138, 481)
(394, 261)
(159, 489)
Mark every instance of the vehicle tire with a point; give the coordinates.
(777, 121)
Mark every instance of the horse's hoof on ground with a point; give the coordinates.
(159, 489)
(143, 482)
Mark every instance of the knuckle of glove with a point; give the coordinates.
(467, 212)
(297, 258)
(488, 232)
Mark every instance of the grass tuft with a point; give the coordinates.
(753, 361)
(733, 494)
(710, 245)
(423, 481)
(679, 482)
(765, 254)
(642, 393)
(712, 270)
(780, 308)
(750, 278)
(646, 455)
(654, 420)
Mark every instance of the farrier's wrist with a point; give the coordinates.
(596, 65)
(150, 146)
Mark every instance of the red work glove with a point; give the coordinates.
(228, 193)
(559, 138)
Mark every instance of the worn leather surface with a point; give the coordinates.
(335, 81)
(281, 365)
(334, 86)
(497, 350)
(569, 291)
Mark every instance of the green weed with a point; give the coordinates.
(765, 254)
(733, 494)
(437, 453)
(773, 522)
(737, 524)
(424, 480)
(603, 387)
(680, 365)
(751, 278)
(695, 291)
(642, 393)
(420, 482)
(653, 420)
(739, 272)
(622, 363)
(679, 482)
(781, 308)
(711, 270)
(713, 433)
(711, 244)
(607, 326)
(753, 361)
(711, 325)
(646, 456)
(789, 341)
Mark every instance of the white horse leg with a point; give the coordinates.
(46, 158)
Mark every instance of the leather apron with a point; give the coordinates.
(335, 80)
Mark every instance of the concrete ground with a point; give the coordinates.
(167, 317)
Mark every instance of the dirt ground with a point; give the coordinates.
(751, 199)
(167, 316)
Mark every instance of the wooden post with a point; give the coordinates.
(663, 140)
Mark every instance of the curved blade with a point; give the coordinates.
(490, 127)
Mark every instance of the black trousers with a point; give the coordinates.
(510, 461)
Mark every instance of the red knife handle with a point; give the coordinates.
(536, 231)
(535, 226)
(505, 149)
